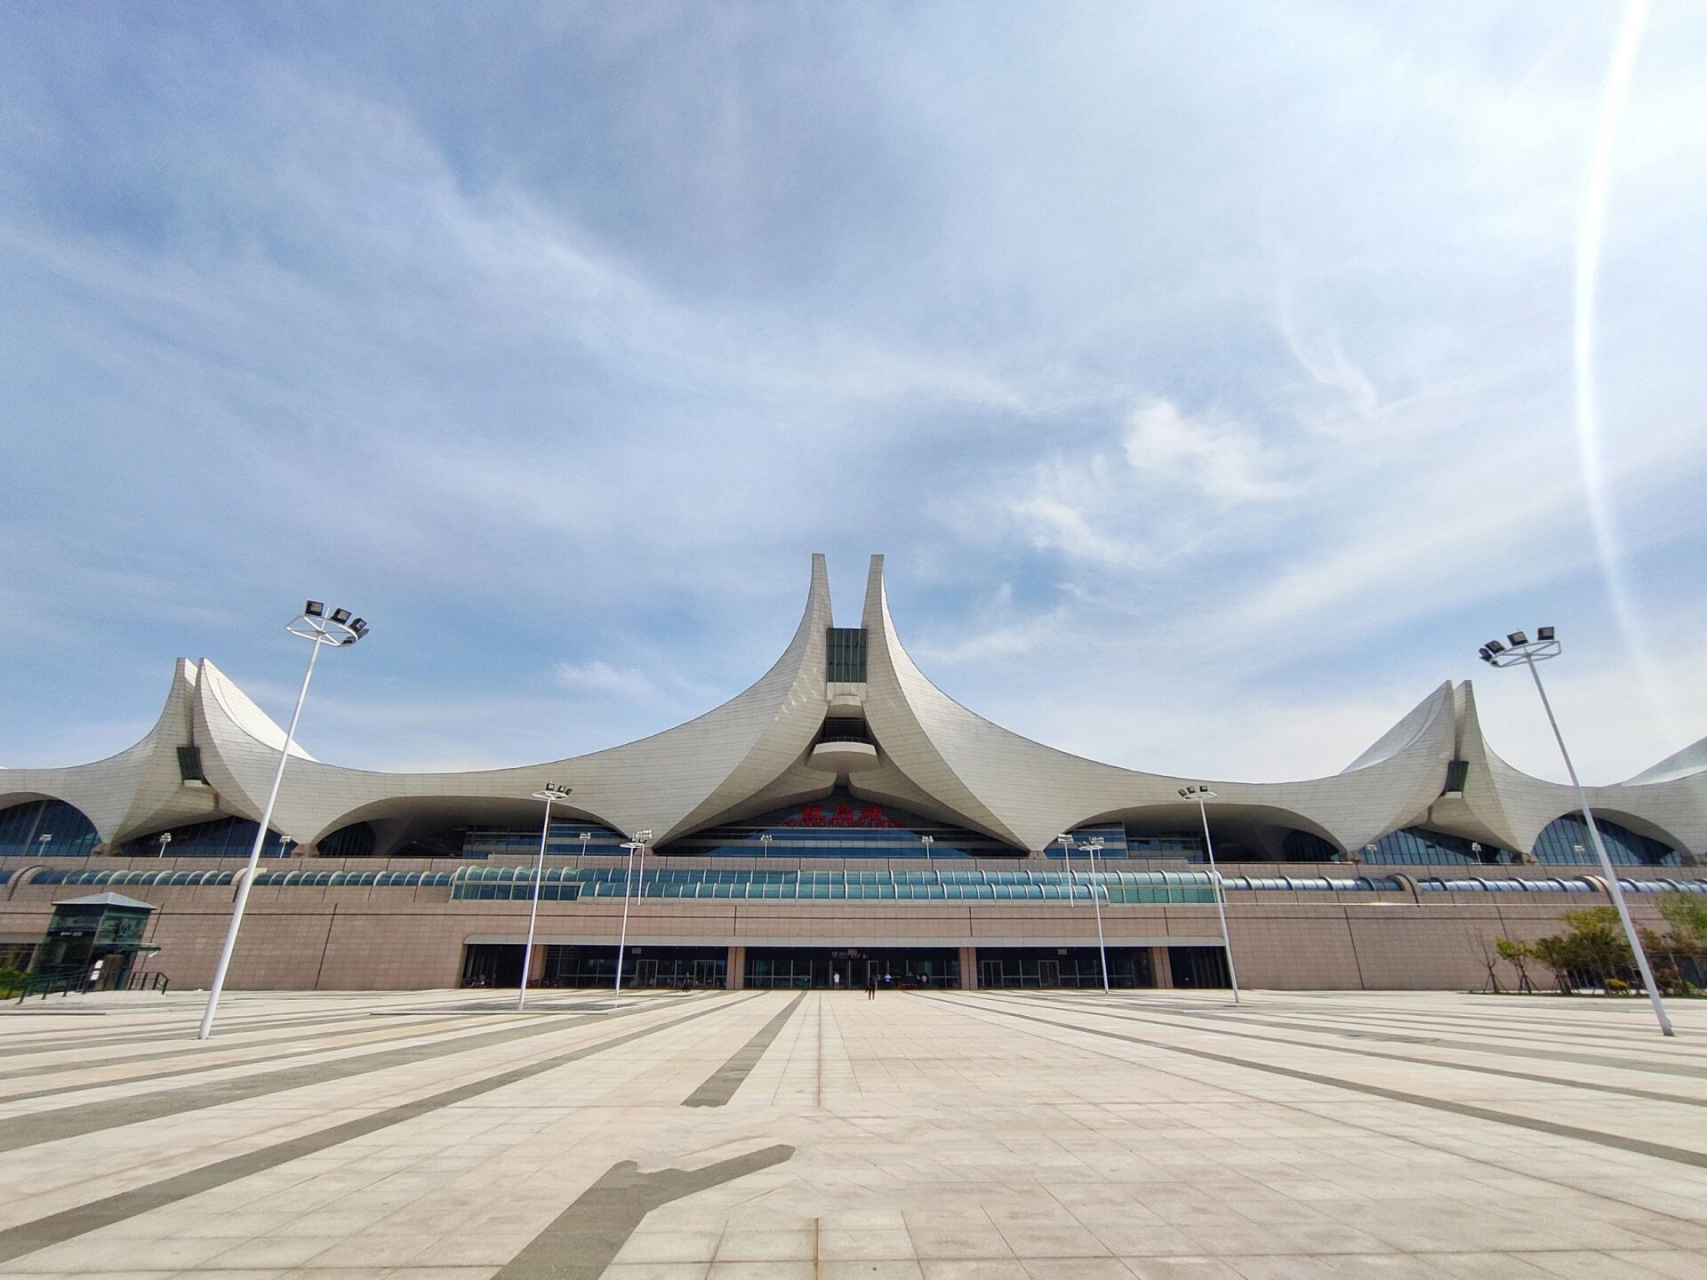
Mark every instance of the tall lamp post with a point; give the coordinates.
(1519, 648)
(1091, 846)
(312, 624)
(928, 841)
(548, 793)
(164, 841)
(636, 845)
(1201, 793)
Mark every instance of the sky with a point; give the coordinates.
(1214, 378)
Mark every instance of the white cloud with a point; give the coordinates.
(1215, 458)
(601, 679)
(1243, 354)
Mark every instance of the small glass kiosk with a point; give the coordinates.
(95, 940)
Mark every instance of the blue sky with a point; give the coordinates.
(1206, 373)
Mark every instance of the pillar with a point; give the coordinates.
(735, 969)
(969, 968)
(1162, 965)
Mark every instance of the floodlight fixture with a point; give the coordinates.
(551, 793)
(1091, 845)
(311, 625)
(1528, 653)
(1201, 792)
(636, 845)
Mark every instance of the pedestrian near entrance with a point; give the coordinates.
(870, 983)
(836, 981)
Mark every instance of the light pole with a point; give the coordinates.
(928, 841)
(586, 839)
(551, 791)
(43, 840)
(765, 843)
(1202, 793)
(1091, 846)
(641, 838)
(313, 625)
(1529, 652)
(164, 839)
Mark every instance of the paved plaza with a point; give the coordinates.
(783, 1135)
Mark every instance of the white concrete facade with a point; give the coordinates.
(756, 753)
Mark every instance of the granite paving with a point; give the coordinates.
(781, 1135)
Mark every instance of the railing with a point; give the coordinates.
(65, 982)
(45, 984)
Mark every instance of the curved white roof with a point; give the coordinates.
(754, 753)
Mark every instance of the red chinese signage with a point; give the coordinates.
(843, 815)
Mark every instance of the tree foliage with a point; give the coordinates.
(1590, 951)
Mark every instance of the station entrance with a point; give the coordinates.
(1071, 967)
(1197, 967)
(500, 965)
(819, 968)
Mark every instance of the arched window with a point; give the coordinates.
(1565, 841)
(48, 828)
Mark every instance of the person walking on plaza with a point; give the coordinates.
(870, 982)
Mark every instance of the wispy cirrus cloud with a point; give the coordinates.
(1181, 366)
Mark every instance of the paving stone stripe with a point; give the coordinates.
(1468, 1046)
(56, 1228)
(1678, 1155)
(75, 1121)
(1518, 1029)
(187, 1062)
(1506, 1073)
(182, 1030)
(722, 1083)
(583, 1241)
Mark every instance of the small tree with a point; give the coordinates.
(1681, 951)
(1485, 950)
(1517, 955)
(1593, 945)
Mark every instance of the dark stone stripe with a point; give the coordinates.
(722, 1083)
(586, 1236)
(1678, 1155)
(56, 1228)
(1523, 1031)
(1648, 1095)
(1465, 1046)
(75, 1121)
(176, 1032)
(189, 1060)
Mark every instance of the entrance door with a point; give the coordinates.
(704, 973)
(645, 973)
(989, 973)
(1048, 973)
